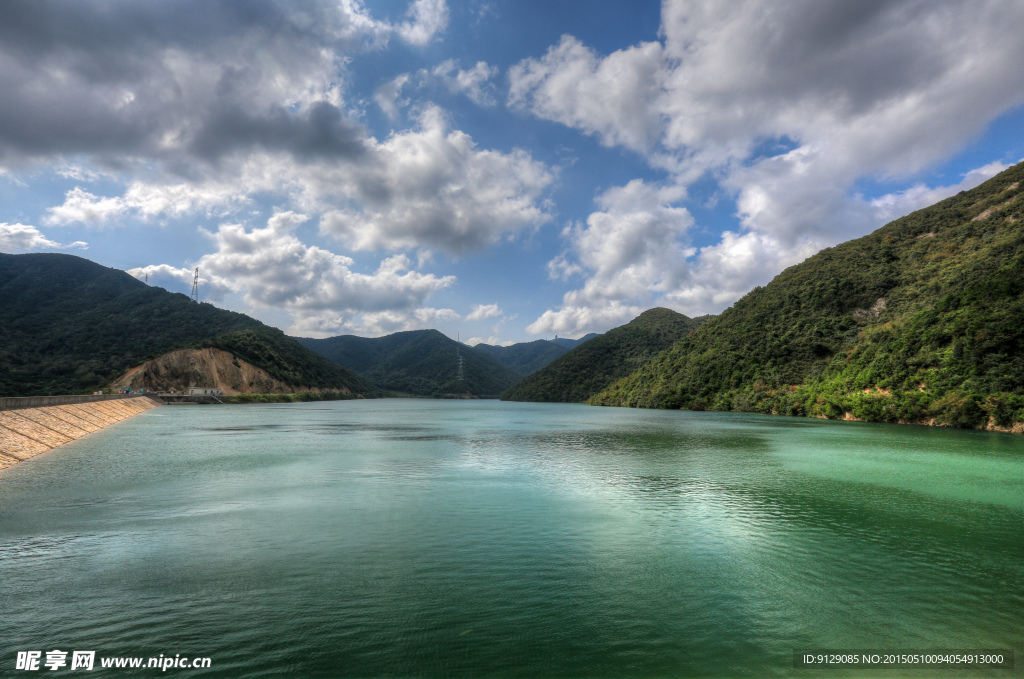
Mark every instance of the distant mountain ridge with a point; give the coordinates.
(573, 343)
(524, 357)
(417, 362)
(921, 321)
(70, 325)
(596, 363)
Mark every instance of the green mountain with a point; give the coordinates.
(71, 325)
(598, 362)
(920, 321)
(524, 357)
(417, 362)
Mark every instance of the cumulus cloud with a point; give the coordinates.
(151, 199)
(787, 105)
(493, 340)
(213, 287)
(133, 83)
(432, 187)
(388, 95)
(893, 205)
(18, 238)
(272, 268)
(425, 19)
(475, 83)
(722, 273)
(482, 311)
(372, 324)
(577, 320)
(631, 252)
(200, 108)
(427, 188)
(82, 206)
(277, 270)
(727, 76)
(614, 97)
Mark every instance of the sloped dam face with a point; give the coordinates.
(26, 432)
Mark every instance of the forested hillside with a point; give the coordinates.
(69, 325)
(920, 321)
(417, 362)
(596, 363)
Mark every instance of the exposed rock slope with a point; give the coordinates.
(179, 370)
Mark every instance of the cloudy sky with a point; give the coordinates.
(500, 170)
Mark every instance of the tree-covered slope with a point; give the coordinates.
(71, 325)
(920, 321)
(417, 362)
(524, 357)
(593, 365)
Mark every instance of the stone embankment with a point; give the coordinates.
(26, 432)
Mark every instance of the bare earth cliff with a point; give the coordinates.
(179, 370)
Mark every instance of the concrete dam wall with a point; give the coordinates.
(26, 432)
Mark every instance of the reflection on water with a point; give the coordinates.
(455, 538)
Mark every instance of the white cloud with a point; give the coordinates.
(147, 200)
(722, 273)
(840, 91)
(82, 206)
(426, 19)
(213, 288)
(492, 340)
(578, 320)
(371, 324)
(149, 87)
(893, 205)
(272, 268)
(18, 238)
(77, 173)
(482, 311)
(277, 270)
(426, 188)
(615, 98)
(431, 187)
(631, 252)
(474, 83)
(388, 95)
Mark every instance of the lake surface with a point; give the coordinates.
(486, 539)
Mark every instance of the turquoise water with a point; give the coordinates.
(486, 539)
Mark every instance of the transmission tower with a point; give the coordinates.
(195, 286)
(458, 352)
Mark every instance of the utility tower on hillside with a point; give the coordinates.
(195, 286)
(458, 352)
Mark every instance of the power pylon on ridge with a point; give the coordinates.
(458, 352)
(195, 286)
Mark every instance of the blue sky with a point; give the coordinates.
(501, 171)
